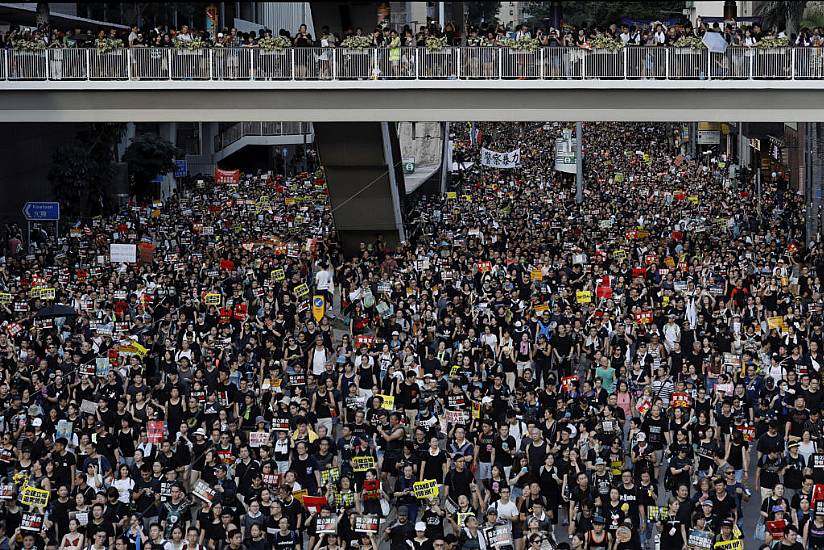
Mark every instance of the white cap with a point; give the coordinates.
(420, 526)
(37, 422)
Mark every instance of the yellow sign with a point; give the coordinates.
(776, 322)
(32, 496)
(47, 293)
(619, 254)
(451, 195)
(5, 298)
(467, 198)
(536, 275)
(583, 296)
(141, 351)
(363, 463)
(388, 401)
(278, 274)
(425, 489)
(693, 199)
(289, 202)
(669, 261)
(736, 544)
(212, 299)
(318, 307)
(301, 290)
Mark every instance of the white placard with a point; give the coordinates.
(493, 159)
(123, 253)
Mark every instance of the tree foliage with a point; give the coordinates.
(604, 13)
(81, 171)
(148, 155)
(784, 16)
(482, 13)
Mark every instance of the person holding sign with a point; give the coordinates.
(673, 531)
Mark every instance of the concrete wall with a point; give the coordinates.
(421, 141)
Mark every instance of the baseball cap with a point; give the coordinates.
(420, 526)
(641, 436)
(600, 460)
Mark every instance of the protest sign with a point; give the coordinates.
(583, 296)
(313, 504)
(31, 522)
(258, 439)
(155, 430)
(499, 535)
(680, 400)
(425, 489)
(387, 401)
(366, 523)
(493, 159)
(363, 463)
(700, 540)
(212, 299)
(32, 496)
(203, 491)
(122, 253)
(329, 475)
(328, 524)
(301, 290)
(735, 544)
(227, 177)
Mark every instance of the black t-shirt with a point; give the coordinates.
(458, 483)
(485, 443)
(769, 470)
(433, 465)
(503, 447)
(723, 508)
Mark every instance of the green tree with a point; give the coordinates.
(603, 14)
(482, 13)
(148, 155)
(81, 171)
(784, 16)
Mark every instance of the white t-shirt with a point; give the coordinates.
(506, 510)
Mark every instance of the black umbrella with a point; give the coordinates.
(56, 310)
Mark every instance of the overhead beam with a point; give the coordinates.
(768, 101)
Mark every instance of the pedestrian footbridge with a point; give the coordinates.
(450, 84)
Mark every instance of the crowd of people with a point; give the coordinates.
(523, 372)
(653, 33)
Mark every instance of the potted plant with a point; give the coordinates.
(107, 45)
(523, 44)
(274, 44)
(605, 56)
(687, 56)
(28, 45)
(196, 43)
(773, 57)
(435, 43)
(356, 43)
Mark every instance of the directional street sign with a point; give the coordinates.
(42, 211)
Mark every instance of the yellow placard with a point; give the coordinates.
(776, 322)
(32, 496)
(540, 308)
(34, 292)
(425, 489)
(619, 254)
(692, 199)
(5, 298)
(47, 293)
(301, 290)
(669, 261)
(278, 274)
(583, 296)
(388, 401)
(318, 307)
(363, 463)
(141, 351)
(289, 201)
(736, 544)
(451, 195)
(536, 275)
(212, 299)
(467, 198)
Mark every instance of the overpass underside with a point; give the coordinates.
(377, 101)
(365, 181)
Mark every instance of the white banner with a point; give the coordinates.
(123, 253)
(493, 159)
(565, 156)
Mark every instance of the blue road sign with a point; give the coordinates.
(42, 211)
(181, 168)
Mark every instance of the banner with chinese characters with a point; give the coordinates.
(493, 159)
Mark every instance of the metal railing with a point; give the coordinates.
(466, 63)
(237, 131)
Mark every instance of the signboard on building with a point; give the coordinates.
(709, 137)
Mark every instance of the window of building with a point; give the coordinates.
(187, 138)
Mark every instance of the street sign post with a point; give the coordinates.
(181, 168)
(41, 212)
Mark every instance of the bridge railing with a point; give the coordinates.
(235, 132)
(467, 63)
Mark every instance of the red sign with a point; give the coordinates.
(680, 400)
(680, 196)
(225, 315)
(643, 317)
(240, 312)
(604, 292)
(484, 267)
(227, 265)
(363, 340)
(227, 177)
(638, 272)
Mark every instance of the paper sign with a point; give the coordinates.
(301, 290)
(680, 400)
(388, 401)
(202, 491)
(314, 503)
(327, 524)
(258, 439)
(155, 430)
(366, 523)
(643, 317)
(700, 540)
(776, 322)
(536, 275)
(736, 544)
(88, 407)
(583, 296)
(31, 522)
(329, 475)
(451, 195)
(277, 274)
(212, 299)
(32, 496)
(462, 517)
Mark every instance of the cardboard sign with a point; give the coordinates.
(212, 299)
(484, 267)
(363, 463)
(301, 290)
(643, 317)
(329, 475)
(536, 275)
(425, 489)
(32, 496)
